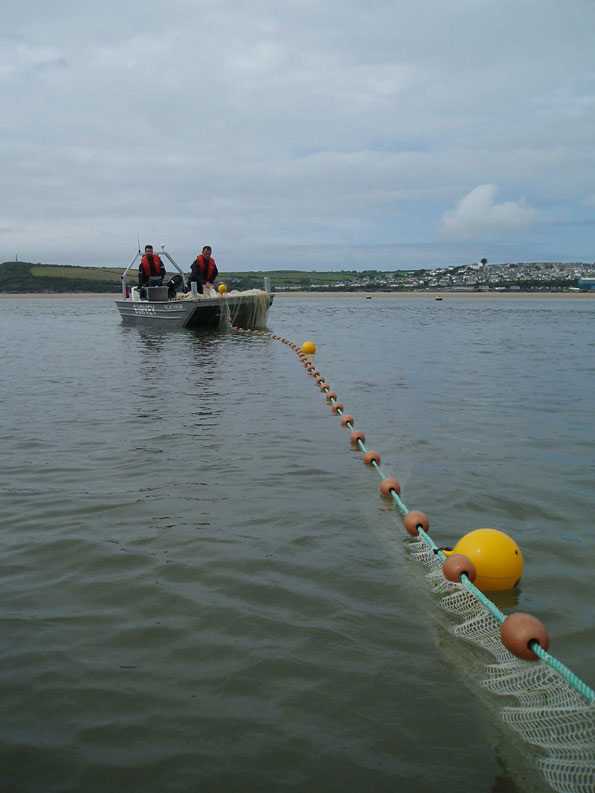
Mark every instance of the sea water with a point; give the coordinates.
(201, 588)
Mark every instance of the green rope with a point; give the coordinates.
(491, 607)
(578, 685)
(429, 541)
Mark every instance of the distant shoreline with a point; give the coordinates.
(375, 295)
(434, 295)
(59, 294)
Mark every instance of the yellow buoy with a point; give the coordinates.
(221, 289)
(309, 347)
(497, 558)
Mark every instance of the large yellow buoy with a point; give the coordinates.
(222, 289)
(309, 347)
(497, 558)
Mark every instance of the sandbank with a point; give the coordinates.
(61, 294)
(375, 295)
(433, 295)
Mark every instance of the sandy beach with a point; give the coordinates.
(353, 295)
(60, 294)
(432, 295)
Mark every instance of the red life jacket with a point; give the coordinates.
(206, 269)
(152, 265)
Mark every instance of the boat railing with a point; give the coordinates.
(138, 255)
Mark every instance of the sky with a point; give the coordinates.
(308, 134)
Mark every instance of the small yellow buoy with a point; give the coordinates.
(221, 289)
(309, 347)
(497, 558)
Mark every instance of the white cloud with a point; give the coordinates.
(477, 215)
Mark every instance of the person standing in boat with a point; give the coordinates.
(151, 270)
(204, 270)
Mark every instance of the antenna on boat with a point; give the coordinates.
(138, 238)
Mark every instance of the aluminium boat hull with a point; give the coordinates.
(247, 310)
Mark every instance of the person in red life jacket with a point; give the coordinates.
(204, 270)
(151, 270)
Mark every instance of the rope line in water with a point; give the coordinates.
(549, 715)
(337, 407)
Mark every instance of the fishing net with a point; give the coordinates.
(549, 712)
(248, 309)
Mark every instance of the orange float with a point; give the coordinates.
(388, 484)
(456, 565)
(416, 518)
(518, 630)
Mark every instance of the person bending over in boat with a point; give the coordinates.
(204, 270)
(151, 270)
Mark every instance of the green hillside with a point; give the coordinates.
(87, 273)
(287, 279)
(27, 277)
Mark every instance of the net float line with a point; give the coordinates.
(416, 522)
(556, 710)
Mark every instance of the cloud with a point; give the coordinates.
(20, 59)
(265, 124)
(477, 215)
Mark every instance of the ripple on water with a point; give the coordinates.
(201, 587)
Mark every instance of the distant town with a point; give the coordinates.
(479, 276)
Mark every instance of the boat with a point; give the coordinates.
(178, 304)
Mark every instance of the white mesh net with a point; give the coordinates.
(247, 309)
(550, 713)
(568, 776)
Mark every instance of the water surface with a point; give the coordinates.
(201, 587)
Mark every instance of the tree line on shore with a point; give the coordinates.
(29, 277)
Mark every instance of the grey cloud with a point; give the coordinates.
(265, 125)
